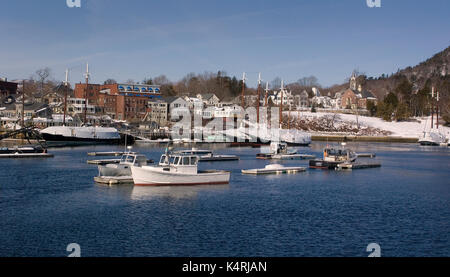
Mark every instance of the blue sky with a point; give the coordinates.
(136, 39)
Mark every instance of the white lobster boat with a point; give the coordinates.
(177, 170)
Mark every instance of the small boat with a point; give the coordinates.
(177, 170)
(123, 167)
(279, 151)
(274, 169)
(332, 157)
(22, 150)
(432, 138)
(208, 155)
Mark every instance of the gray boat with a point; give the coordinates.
(123, 167)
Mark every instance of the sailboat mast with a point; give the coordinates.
(267, 94)
(86, 93)
(66, 84)
(23, 103)
(243, 91)
(281, 104)
(259, 98)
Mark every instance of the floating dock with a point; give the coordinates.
(103, 162)
(285, 156)
(218, 158)
(113, 180)
(274, 169)
(26, 155)
(107, 153)
(366, 155)
(351, 166)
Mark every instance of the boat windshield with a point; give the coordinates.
(336, 152)
(127, 159)
(163, 160)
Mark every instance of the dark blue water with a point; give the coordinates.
(404, 206)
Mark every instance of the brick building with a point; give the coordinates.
(119, 101)
(7, 88)
(356, 97)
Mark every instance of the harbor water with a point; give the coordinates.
(404, 206)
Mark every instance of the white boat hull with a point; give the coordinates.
(432, 138)
(114, 170)
(156, 176)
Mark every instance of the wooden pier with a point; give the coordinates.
(351, 166)
(366, 155)
(26, 155)
(115, 154)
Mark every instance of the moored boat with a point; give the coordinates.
(80, 135)
(279, 151)
(273, 169)
(208, 155)
(432, 138)
(123, 168)
(177, 170)
(332, 157)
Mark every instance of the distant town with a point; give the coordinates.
(149, 106)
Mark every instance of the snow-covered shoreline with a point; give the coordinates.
(410, 129)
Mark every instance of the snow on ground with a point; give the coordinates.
(397, 129)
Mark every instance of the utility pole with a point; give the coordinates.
(259, 98)
(243, 91)
(437, 110)
(432, 107)
(86, 93)
(66, 84)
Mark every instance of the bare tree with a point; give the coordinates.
(276, 83)
(43, 74)
(161, 80)
(310, 81)
(110, 82)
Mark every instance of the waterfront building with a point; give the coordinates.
(119, 101)
(7, 88)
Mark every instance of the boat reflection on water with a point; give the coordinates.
(173, 192)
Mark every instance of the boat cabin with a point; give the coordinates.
(338, 155)
(278, 148)
(133, 159)
(179, 163)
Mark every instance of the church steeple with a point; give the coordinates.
(353, 81)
